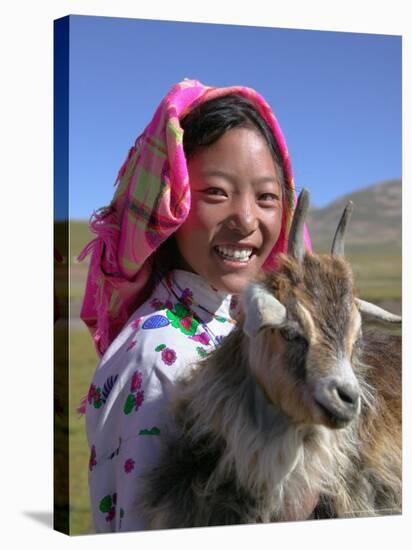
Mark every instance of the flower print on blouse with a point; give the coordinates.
(168, 355)
(126, 416)
(136, 396)
(98, 396)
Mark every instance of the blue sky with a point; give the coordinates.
(337, 96)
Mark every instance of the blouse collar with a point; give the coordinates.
(195, 292)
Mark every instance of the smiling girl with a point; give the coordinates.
(203, 205)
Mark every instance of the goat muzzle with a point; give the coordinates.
(339, 401)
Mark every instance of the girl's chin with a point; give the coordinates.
(226, 275)
(232, 276)
(232, 283)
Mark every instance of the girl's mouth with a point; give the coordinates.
(234, 256)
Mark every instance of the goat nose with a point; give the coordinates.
(338, 400)
(348, 394)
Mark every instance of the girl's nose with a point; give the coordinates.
(244, 219)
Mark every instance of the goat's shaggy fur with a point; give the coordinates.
(250, 449)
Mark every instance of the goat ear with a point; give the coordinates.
(379, 318)
(261, 309)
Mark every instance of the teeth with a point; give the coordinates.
(241, 255)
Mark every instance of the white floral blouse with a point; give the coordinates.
(183, 320)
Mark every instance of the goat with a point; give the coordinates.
(297, 414)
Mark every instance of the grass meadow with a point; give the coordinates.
(82, 365)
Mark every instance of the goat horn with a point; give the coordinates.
(261, 309)
(296, 245)
(379, 317)
(338, 245)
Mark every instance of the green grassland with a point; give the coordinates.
(70, 436)
(377, 272)
(83, 361)
(378, 275)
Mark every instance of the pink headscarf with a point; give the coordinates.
(151, 201)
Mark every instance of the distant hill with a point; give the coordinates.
(376, 219)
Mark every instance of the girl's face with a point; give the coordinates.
(236, 210)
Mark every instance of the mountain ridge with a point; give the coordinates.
(376, 219)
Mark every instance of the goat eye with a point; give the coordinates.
(358, 342)
(290, 334)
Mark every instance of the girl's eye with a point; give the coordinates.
(215, 191)
(268, 197)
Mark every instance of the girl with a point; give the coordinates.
(204, 202)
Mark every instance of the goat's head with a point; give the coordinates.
(304, 326)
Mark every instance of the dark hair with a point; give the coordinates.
(206, 123)
(203, 126)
